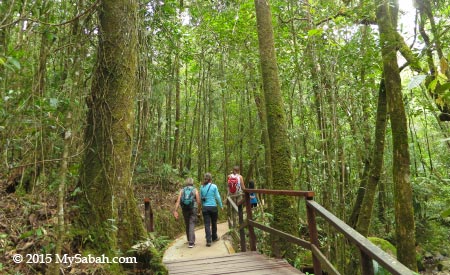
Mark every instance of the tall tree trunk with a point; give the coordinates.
(226, 151)
(387, 12)
(283, 208)
(109, 212)
(42, 144)
(363, 125)
(71, 70)
(177, 114)
(260, 103)
(365, 213)
(168, 116)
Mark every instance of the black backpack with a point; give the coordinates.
(187, 198)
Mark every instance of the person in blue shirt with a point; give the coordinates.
(210, 197)
(253, 198)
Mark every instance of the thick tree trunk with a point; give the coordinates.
(284, 208)
(404, 212)
(109, 212)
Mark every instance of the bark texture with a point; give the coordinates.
(404, 212)
(110, 214)
(365, 214)
(283, 208)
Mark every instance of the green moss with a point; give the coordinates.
(384, 245)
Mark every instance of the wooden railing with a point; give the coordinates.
(368, 250)
(148, 216)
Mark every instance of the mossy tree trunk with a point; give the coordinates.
(374, 174)
(387, 12)
(364, 216)
(109, 213)
(282, 176)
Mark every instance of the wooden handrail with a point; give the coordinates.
(306, 194)
(371, 250)
(289, 237)
(233, 204)
(367, 249)
(324, 263)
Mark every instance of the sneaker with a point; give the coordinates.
(218, 238)
(208, 244)
(191, 245)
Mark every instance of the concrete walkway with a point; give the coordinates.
(179, 250)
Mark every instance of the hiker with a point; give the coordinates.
(234, 187)
(189, 200)
(235, 181)
(253, 198)
(210, 197)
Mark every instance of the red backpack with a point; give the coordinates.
(233, 183)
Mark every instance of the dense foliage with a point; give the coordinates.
(199, 95)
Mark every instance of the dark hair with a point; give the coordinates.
(251, 184)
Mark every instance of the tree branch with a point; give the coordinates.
(86, 12)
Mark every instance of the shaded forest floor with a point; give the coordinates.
(28, 225)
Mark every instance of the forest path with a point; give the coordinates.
(179, 250)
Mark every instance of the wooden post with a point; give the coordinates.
(241, 229)
(229, 214)
(366, 264)
(313, 235)
(251, 230)
(148, 216)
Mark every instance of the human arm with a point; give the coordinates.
(217, 195)
(241, 180)
(177, 204)
(197, 199)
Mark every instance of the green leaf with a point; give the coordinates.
(14, 62)
(416, 81)
(26, 234)
(446, 213)
(433, 84)
(443, 87)
(76, 192)
(315, 32)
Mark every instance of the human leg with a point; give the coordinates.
(207, 221)
(186, 216)
(214, 217)
(192, 221)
